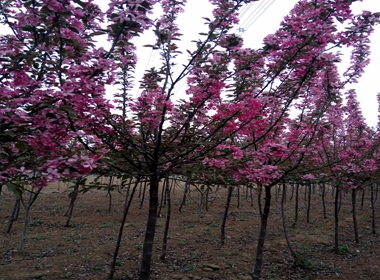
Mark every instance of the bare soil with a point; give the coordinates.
(84, 250)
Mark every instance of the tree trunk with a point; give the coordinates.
(238, 197)
(373, 211)
(296, 206)
(109, 194)
(362, 200)
(223, 226)
(127, 204)
(308, 203)
(73, 195)
(167, 223)
(150, 228)
(336, 220)
(32, 199)
(323, 200)
(354, 215)
(291, 196)
(184, 194)
(263, 231)
(251, 196)
(207, 195)
(143, 195)
(15, 213)
(259, 200)
(162, 200)
(283, 198)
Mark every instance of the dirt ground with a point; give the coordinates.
(84, 250)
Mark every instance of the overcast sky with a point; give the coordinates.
(262, 18)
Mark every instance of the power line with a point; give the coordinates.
(257, 9)
(260, 15)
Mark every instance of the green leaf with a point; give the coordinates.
(68, 109)
(16, 189)
(21, 146)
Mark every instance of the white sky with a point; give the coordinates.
(262, 18)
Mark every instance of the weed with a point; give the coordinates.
(119, 263)
(68, 275)
(188, 267)
(74, 237)
(215, 225)
(229, 263)
(107, 225)
(303, 259)
(335, 269)
(36, 223)
(229, 253)
(196, 256)
(39, 237)
(343, 250)
(185, 226)
(72, 225)
(182, 242)
(69, 252)
(38, 275)
(139, 246)
(304, 262)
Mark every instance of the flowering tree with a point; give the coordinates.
(235, 110)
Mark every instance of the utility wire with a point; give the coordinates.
(255, 11)
(260, 15)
